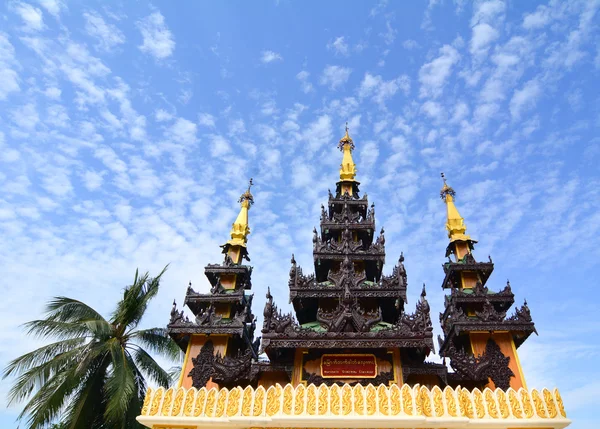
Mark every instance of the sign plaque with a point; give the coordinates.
(348, 366)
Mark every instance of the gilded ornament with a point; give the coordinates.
(450, 401)
(211, 398)
(371, 394)
(299, 400)
(311, 400)
(527, 405)
(478, 400)
(504, 412)
(438, 401)
(559, 402)
(382, 396)
(178, 403)
(259, 398)
(188, 405)
(166, 406)
(464, 400)
(247, 401)
(425, 401)
(359, 399)
(323, 399)
(515, 405)
(221, 401)
(273, 400)
(200, 399)
(334, 401)
(395, 400)
(146, 401)
(346, 399)
(538, 403)
(416, 395)
(233, 402)
(288, 399)
(490, 402)
(407, 402)
(550, 405)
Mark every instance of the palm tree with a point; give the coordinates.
(93, 375)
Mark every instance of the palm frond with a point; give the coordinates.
(120, 384)
(150, 368)
(65, 309)
(157, 340)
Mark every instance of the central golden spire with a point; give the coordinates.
(240, 229)
(348, 168)
(455, 223)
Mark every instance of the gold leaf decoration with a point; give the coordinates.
(371, 394)
(450, 401)
(178, 403)
(346, 399)
(538, 402)
(273, 400)
(559, 402)
(233, 402)
(221, 401)
(166, 406)
(247, 401)
(464, 400)
(146, 401)
(504, 412)
(515, 405)
(334, 399)
(188, 405)
(311, 400)
(478, 400)
(259, 397)
(438, 401)
(490, 402)
(550, 405)
(288, 398)
(425, 401)
(299, 399)
(211, 398)
(323, 399)
(527, 405)
(395, 400)
(407, 402)
(382, 398)
(359, 399)
(200, 400)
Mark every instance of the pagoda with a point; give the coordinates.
(350, 325)
(219, 343)
(349, 355)
(480, 340)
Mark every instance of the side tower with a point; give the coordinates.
(479, 339)
(349, 324)
(219, 344)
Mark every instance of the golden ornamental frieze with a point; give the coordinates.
(281, 404)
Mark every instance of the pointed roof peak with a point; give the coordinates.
(455, 223)
(240, 229)
(348, 168)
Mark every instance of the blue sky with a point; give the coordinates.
(128, 131)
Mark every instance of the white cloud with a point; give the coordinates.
(107, 35)
(92, 180)
(339, 46)
(335, 76)
(206, 119)
(270, 56)
(433, 75)
(9, 79)
(53, 92)
(389, 35)
(304, 83)
(53, 6)
(524, 98)
(410, 44)
(32, 17)
(162, 115)
(380, 89)
(158, 40)
(368, 154)
(433, 109)
(219, 145)
(183, 131)
(537, 19)
(26, 116)
(318, 133)
(483, 35)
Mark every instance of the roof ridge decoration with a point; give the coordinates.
(455, 223)
(240, 229)
(347, 168)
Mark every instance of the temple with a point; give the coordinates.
(352, 353)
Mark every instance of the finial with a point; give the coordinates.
(346, 140)
(423, 292)
(190, 284)
(293, 261)
(247, 196)
(446, 190)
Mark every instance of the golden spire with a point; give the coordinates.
(240, 229)
(348, 168)
(455, 224)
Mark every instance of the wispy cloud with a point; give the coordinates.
(335, 76)
(267, 57)
(157, 41)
